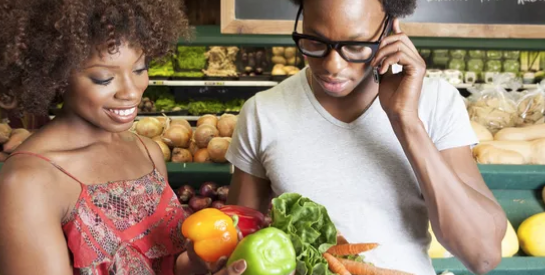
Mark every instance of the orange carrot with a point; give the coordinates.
(358, 268)
(334, 265)
(351, 249)
(341, 240)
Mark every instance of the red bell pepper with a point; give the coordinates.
(249, 220)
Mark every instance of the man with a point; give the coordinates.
(384, 159)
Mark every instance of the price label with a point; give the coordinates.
(214, 83)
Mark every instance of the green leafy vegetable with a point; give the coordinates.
(165, 104)
(311, 231)
(194, 74)
(191, 58)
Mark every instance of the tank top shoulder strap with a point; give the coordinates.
(147, 151)
(48, 160)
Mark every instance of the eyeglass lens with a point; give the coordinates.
(316, 48)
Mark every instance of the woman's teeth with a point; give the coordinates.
(123, 112)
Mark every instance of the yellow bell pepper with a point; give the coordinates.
(213, 233)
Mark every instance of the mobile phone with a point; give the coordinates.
(376, 75)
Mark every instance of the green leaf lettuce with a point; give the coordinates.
(311, 231)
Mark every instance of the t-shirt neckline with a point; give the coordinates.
(324, 113)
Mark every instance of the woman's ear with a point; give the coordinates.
(8, 102)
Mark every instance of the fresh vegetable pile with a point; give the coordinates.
(209, 195)
(300, 240)
(181, 143)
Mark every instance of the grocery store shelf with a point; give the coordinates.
(521, 177)
(242, 83)
(197, 83)
(196, 173)
(212, 36)
(466, 86)
(508, 266)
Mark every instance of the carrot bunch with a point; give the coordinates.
(339, 265)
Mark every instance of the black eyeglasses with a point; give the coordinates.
(351, 51)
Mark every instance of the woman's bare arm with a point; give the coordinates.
(31, 236)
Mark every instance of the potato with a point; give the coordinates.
(278, 60)
(531, 132)
(288, 69)
(278, 72)
(291, 61)
(290, 52)
(482, 133)
(278, 51)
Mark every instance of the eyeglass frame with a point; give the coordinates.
(337, 45)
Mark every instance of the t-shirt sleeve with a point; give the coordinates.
(244, 151)
(451, 119)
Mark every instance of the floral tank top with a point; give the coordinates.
(124, 227)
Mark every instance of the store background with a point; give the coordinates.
(182, 91)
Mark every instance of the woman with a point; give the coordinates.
(83, 195)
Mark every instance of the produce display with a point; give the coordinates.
(201, 107)
(253, 61)
(159, 99)
(221, 62)
(493, 107)
(514, 145)
(10, 139)
(285, 60)
(479, 66)
(190, 61)
(181, 143)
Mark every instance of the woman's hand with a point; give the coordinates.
(190, 263)
(399, 94)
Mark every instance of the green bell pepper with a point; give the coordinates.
(268, 251)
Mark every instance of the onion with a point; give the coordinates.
(185, 193)
(177, 136)
(199, 203)
(193, 148)
(217, 148)
(223, 193)
(182, 122)
(149, 127)
(164, 148)
(208, 120)
(181, 155)
(164, 120)
(227, 124)
(204, 134)
(201, 156)
(217, 204)
(208, 189)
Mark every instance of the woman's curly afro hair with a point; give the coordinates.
(43, 41)
(395, 8)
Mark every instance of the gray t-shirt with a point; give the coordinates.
(357, 170)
